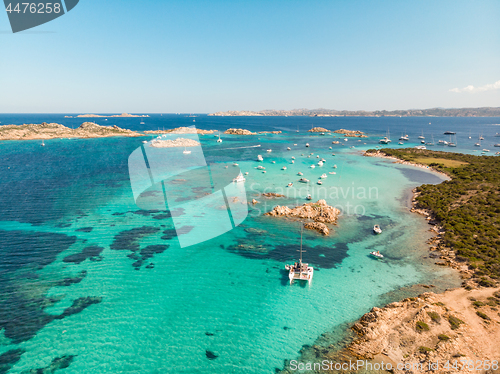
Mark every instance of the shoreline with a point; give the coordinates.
(399, 332)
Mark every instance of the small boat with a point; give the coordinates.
(449, 133)
(260, 167)
(43, 143)
(317, 156)
(497, 153)
(477, 145)
(273, 162)
(376, 254)
(486, 150)
(293, 162)
(288, 148)
(422, 136)
(312, 166)
(260, 158)
(269, 150)
(142, 122)
(299, 270)
(239, 178)
(335, 166)
(377, 229)
(323, 176)
(496, 145)
(308, 197)
(290, 184)
(452, 145)
(345, 139)
(323, 160)
(312, 154)
(295, 144)
(481, 138)
(186, 152)
(332, 172)
(422, 147)
(333, 154)
(219, 140)
(322, 133)
(299, 173)
(246, 173)
(320, 163)
(283, 168)
(319, 182)
(400, 143)
(303, 180)
(264, 171)
(497, 134)
(385, 140)
(293, 158)
(235, 164)
(330, 148)
(307, 144)
(422, 142)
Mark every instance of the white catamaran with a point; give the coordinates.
(299, 270)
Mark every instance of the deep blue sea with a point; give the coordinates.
(91, 282)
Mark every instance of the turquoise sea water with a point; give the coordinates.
(91, 283)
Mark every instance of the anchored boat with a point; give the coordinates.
(299, 270)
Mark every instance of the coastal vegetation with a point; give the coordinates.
(467, 206)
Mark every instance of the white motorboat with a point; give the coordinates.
(323, 176)
(377, 254)
(308, 197)
(269, 150)
(335, 166)
(307, 144)
(283, 168)
(332, 172)
(299, 173)
(377, 229)
(246, 173)
(319, 182)
(239, 178)
(260, 158)
(144, 141)
(303, 180)
(293, 162)
(496, 145)
(290, 184)
(273, 162)
(288, 148)
(486, 150)
(293, 158)
(260, 167)
(312, 166)
(320, 163)
(235, 164)
(422, 147)
(299, 270)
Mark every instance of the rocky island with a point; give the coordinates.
(182, 130)
(123, 115)
(318, 129)
(319, 212)
(55, 130)
(351, 133)
(179, 142)
(239, 132)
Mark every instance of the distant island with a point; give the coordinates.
(433, 112)
(56, 130)
(123, 115)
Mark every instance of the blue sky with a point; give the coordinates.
(205, 56)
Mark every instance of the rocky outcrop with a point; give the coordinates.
(239, 132)
(179, 142)
(182, 130)
(272, 194)
(319, 212)
(270, 132)
(318, 129)
(318, 226)
(55, 130)
(351, 133)
(457, 325)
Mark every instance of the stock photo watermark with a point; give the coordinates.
(25, 15)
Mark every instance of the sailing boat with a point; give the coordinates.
(432, 142)
(422, 136)
(142, 122)
(219, 140)
(186, 152)
(297, 128)
(43, 143)
(299, 270)
(452, 144)
(386, 139)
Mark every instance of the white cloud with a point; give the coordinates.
(472, 89)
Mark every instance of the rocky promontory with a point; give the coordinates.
(239, 132)
(351, 133)
(318, 129)
(55, 130)
(319, 212)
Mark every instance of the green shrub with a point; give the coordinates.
(478, 304)
(423, 349)
(454, 322)
(443, 337)
(483, 316)
(434, 316)
(422, 326)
